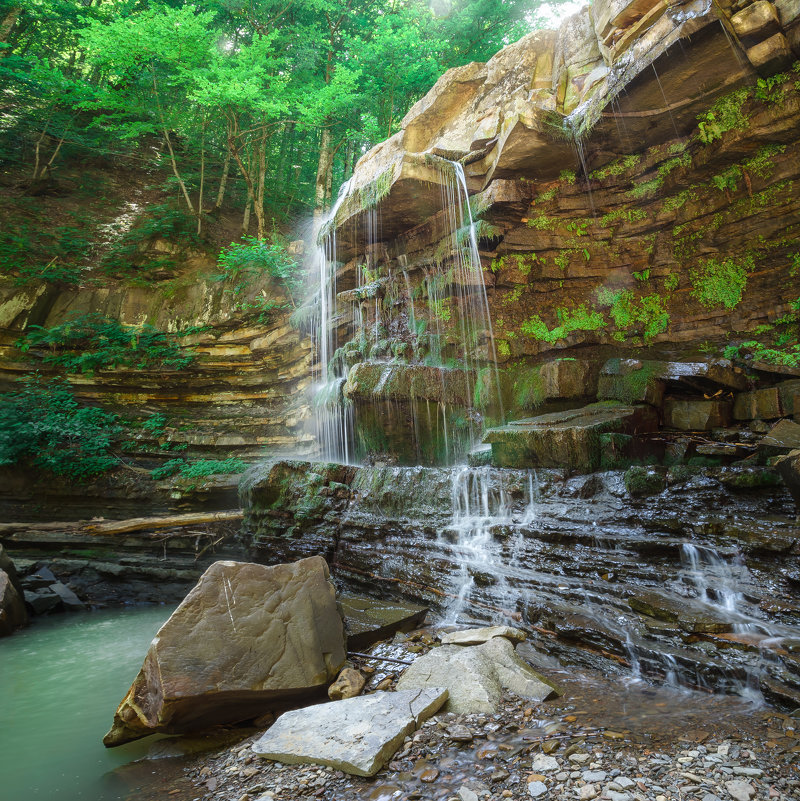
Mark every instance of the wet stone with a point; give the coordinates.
(537, 789)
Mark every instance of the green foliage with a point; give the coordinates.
(671, 282)
(646, 188)
(762, 163)
(647, 314)
(567, 176)
(541, 222)
(89, 342)
(794, 264)
(722, 283)
(42, 425)
(725, 115)
(678, 201)
(779, 342)
(770, 90)
(630, 215)
(503, 348)
(616, 167)
(198, 468)
(578, 319)
(544, 197)
(245, 263)
(727, 180)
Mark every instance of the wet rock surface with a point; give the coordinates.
(562, 557)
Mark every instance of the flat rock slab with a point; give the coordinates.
(368, 621)
(245, 637)
(476, 676)
(356, 735)
(569, 439)
(480, 636)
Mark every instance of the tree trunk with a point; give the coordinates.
(287, 149)
(262, 176)
(9, 20)
(246, 216)
(223, 182)
(323, 169)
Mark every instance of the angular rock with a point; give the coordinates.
(760, 404)
(631, 381)
(69, 600)
(740, 790)
(781, 439)
(790, 397)
(756, 22)
(42, 601)
(7, 565)
(349, 683)
(771, 55)
(356, 735)
(406, 382)
(368, 621)
(568, 378)
(789, 469)
(696, 415)
(479, 636)
(567, 439)
(12, 609)
(476, 676)
(245, 637)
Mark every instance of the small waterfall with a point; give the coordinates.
(481, 504)
(717, 583)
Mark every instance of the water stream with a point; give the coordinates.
(60, 681)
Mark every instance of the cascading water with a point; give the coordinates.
(481, 505)
(454, 288)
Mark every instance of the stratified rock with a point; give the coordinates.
(771, 55)
(368, 621)
(12, 608)
(404, 382)
(690, 616)
(567, 439)
(348, 684)
(244, 637)
(356, 735)
(7, 565)
(568, 378)
(479, 636)
(476, 676)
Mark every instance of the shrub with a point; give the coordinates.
(91, 342)
(199, 468)
(42, 424)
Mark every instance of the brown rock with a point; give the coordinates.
(760, 404)
(244, 637)
(12, 607)
(696, 415)
(348, 684)
(770, 55)
(756, 22)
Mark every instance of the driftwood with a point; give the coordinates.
(111, 527)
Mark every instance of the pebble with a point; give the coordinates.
(588, 792)
(740, 771)
(461, 734)
(740, 790)
(544, 763)
(537, 789)
(594, 775)
(465, 794)
(578, 759)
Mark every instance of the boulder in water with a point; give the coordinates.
(245, 637)
(356, 735)
(475, 676)
(368, 621)
(12, 608)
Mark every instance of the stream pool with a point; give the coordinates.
(60, 682)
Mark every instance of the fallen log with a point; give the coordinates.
(169, 521)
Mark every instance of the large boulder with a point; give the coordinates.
(245, 638)
(12, 607)
(356, 735)
(475, 676)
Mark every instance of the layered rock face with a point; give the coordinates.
(688, 573)
(244, 639)
(633, 182)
